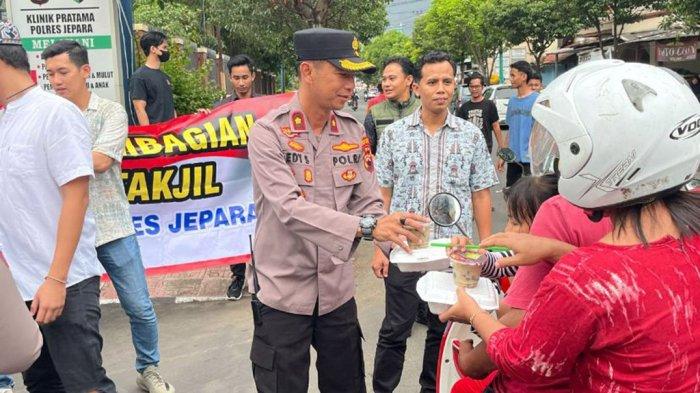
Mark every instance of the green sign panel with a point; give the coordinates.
(38, 44)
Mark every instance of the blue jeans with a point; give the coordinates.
(121, 259)
(6, 382)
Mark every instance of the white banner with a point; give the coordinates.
(89, 22)
(190, 186)
(208, 228)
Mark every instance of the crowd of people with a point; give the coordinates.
(69, 152)
(605, 238)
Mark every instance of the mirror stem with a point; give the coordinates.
(461, 229)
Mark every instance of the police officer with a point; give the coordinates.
(316, 195)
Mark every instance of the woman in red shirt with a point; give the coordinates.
(623, 314)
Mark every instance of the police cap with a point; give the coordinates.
(340, 47)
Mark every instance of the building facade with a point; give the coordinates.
(402, 14)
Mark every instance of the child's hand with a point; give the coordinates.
(459, 243)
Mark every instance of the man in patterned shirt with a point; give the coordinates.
(117, 249)
(428, 152)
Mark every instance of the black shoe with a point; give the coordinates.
(422, 315)
(235, 289)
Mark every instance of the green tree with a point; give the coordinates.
(389, 44)
(537, 23)
(685, 12)
(461, 28)
(622, 12)
(594, 13)
(191, 87)
(174, 19)
(264, 28)
(191, 90)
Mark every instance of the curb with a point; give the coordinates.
(174, 300)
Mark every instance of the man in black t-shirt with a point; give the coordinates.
(481, 112)
(150, 88)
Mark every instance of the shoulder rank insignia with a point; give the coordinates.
(298, 121)
(286, 131)
(296, 146)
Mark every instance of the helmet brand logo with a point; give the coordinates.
(636, 91)
(687, 128)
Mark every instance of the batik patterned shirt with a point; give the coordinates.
(109, 128)
(417, 166)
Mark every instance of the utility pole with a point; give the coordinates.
(500, 66)
(283, 78)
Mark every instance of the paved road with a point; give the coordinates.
(205, 346)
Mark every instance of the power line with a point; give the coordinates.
(403, 2)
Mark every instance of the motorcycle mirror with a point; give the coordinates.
(506, 154)
(444, 209)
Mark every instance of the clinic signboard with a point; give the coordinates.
(92, 23)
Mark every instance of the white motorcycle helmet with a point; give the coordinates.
(619, 131)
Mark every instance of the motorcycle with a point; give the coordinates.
(353, 102)
(449, 378)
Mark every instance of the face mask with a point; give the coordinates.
(164, 56)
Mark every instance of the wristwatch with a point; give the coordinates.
(506, 154)
(367, 225)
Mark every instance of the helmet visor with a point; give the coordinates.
(544, 154)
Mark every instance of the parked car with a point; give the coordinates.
(463, 95)
(500, 94)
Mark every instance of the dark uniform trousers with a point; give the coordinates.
(401, 307)
(280, 350)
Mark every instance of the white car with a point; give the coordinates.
(500, 94)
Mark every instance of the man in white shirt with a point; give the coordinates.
(118, 251)
(47, 235)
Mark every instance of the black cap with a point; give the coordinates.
(340, 47)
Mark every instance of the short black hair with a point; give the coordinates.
(476, 75)
(15, 56)
(240, 60)
(432, 58)
(524, 198)
(405, 64)
(77, 53)
(151, 38)
(536, 75)
(523, 66)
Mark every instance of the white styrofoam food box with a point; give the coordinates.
(421, 259)
(439, 290)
